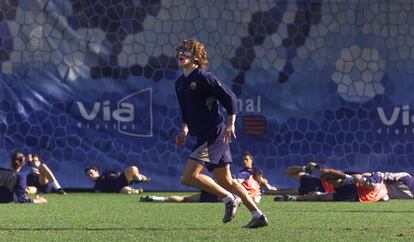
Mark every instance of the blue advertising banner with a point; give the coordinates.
(92, 83)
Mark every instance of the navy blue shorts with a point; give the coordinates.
(210, 151)
(119, 183)
(208, 197)
(33, 181)
(347, 193)
(308, 184)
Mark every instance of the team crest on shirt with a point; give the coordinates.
(193, 85)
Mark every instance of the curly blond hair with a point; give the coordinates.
(197, 49)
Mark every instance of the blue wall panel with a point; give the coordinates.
(92, 83)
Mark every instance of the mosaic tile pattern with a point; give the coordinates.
(92, 82)
(359, 73)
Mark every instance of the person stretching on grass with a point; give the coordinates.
(309, 181)
(12, 187)
(41, 179)
(366, 187)
(400, 185)
(114, 182)
(198, 92)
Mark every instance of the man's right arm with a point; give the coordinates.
(179, 93)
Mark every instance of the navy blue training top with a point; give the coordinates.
(106, 182)
(197, 95)
(253, 171)
(12, 187)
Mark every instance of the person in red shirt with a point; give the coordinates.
(366, 187)
(199, 93)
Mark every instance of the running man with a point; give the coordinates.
(12, 186)
(198, 92)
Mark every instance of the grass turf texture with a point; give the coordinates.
(117, 217)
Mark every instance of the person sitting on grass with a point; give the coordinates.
(12, 186)
(41, 179)
(366, 187)
(116, 182)
(247, 162)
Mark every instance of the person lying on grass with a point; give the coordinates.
(115, 181)
(245, 178)
(366, 187)
(308, 179)
(313, 178)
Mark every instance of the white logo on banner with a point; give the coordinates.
(122, 117)
(390, 119)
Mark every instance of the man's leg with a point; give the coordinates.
(310, 197)
(132, 174)
(335, 177)
(283, 191)
(192, 176)
(46, 176)
(126, 189)
(346, 193)
(295, 172)
(130, 190)
(224, 178)
(316, 197)
(30, 190)
(394, 176)
(172, 199)
(333, 174)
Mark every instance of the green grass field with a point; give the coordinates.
(117, 217)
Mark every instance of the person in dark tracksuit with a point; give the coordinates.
(41, 179)
(115, 181)
(12, 184)
(199, 92)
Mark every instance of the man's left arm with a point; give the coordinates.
(20, 191)
(229, 101)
